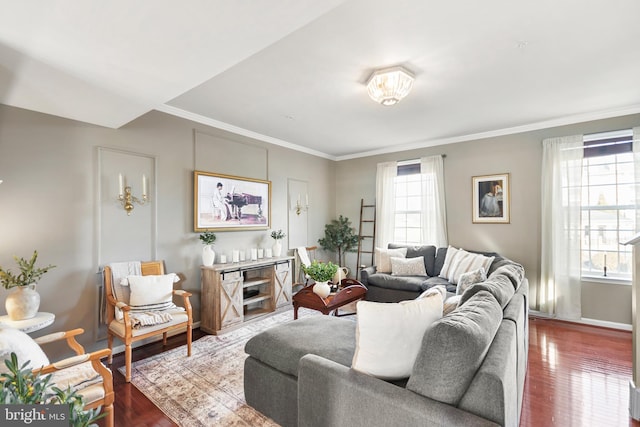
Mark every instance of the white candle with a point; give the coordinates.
(268, 253)
(223, 259)
(243, 256)
(605, 259)
(120, 185)
(306, 199)
(260, 253)
(254, 254)
(298, 204)
(144, 185)
(236, 255)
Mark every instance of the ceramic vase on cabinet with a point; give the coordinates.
(277, 248)
(23, 302)
(322, 289)
(208, 256)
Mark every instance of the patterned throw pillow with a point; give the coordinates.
(382, 258)
(469, 279)
(408, 266)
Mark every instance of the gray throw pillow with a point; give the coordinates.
(470, 278)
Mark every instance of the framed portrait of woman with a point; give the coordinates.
(491, 199)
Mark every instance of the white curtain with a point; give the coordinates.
(434, 212)
(559, 292)
(385, 202)
(636, 165)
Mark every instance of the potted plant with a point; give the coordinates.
(321, 273)
(208, 255)
(21, 386)
(339, 237)
(24, 302)
(277, 246)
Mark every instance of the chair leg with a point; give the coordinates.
(127, 362)
(189, 335)
(110, 345)
(108, 419)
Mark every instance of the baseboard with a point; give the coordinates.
(584, 321)
(120, 348)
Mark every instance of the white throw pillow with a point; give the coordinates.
(462, 262)
(389, 335)
(469, 279)
(382, 258)
(408, 266)
(152, 292)
(26, 349)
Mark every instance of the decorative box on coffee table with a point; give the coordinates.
(235, 293)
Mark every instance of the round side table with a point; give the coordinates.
(42, 320)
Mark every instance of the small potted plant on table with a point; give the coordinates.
(24, 302)
(321, 273)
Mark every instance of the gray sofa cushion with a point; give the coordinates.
(497, 285)
(403, 283)
(435, 281)
(439, 261)
(428, 252)
(282, 346)
(513, 271)
(453, 349)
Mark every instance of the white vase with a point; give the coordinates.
(322, 289)
(277, 248)
(208, 256)
(23, 303)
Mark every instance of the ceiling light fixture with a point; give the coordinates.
(388, 86)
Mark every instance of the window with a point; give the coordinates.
(408, 203)
(608, 201)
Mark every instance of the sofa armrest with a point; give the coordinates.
(365, 273)
(333, 394)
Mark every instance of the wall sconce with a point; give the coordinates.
(126, 198)
(298, 207)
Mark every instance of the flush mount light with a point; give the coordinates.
(388, 86)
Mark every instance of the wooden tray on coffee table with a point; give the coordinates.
(350, 290)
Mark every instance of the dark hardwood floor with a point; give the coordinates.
(578, 375)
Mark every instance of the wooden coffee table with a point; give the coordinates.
(351, 290)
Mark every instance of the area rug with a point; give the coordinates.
(207, 388)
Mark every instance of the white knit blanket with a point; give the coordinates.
(149, 318)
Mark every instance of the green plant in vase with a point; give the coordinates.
(24, 302)
(208, 255)
(321, 273)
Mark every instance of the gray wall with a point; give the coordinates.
(54, 172)
(521, 156)
(52, 175)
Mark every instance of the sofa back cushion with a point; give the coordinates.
(497, 285)
(427, 251)
(454, 348)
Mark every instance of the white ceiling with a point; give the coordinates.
(292, 72)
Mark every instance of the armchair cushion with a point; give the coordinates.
(78, 377)
(151, 292)
(15, 341)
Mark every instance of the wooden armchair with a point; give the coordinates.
(84, 368)
(124, 328)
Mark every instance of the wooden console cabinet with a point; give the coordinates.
(239, 292)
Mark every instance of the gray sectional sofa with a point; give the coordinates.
(470, 370)
(384, 287)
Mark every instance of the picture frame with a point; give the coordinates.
(491, 199)
(230, 203)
